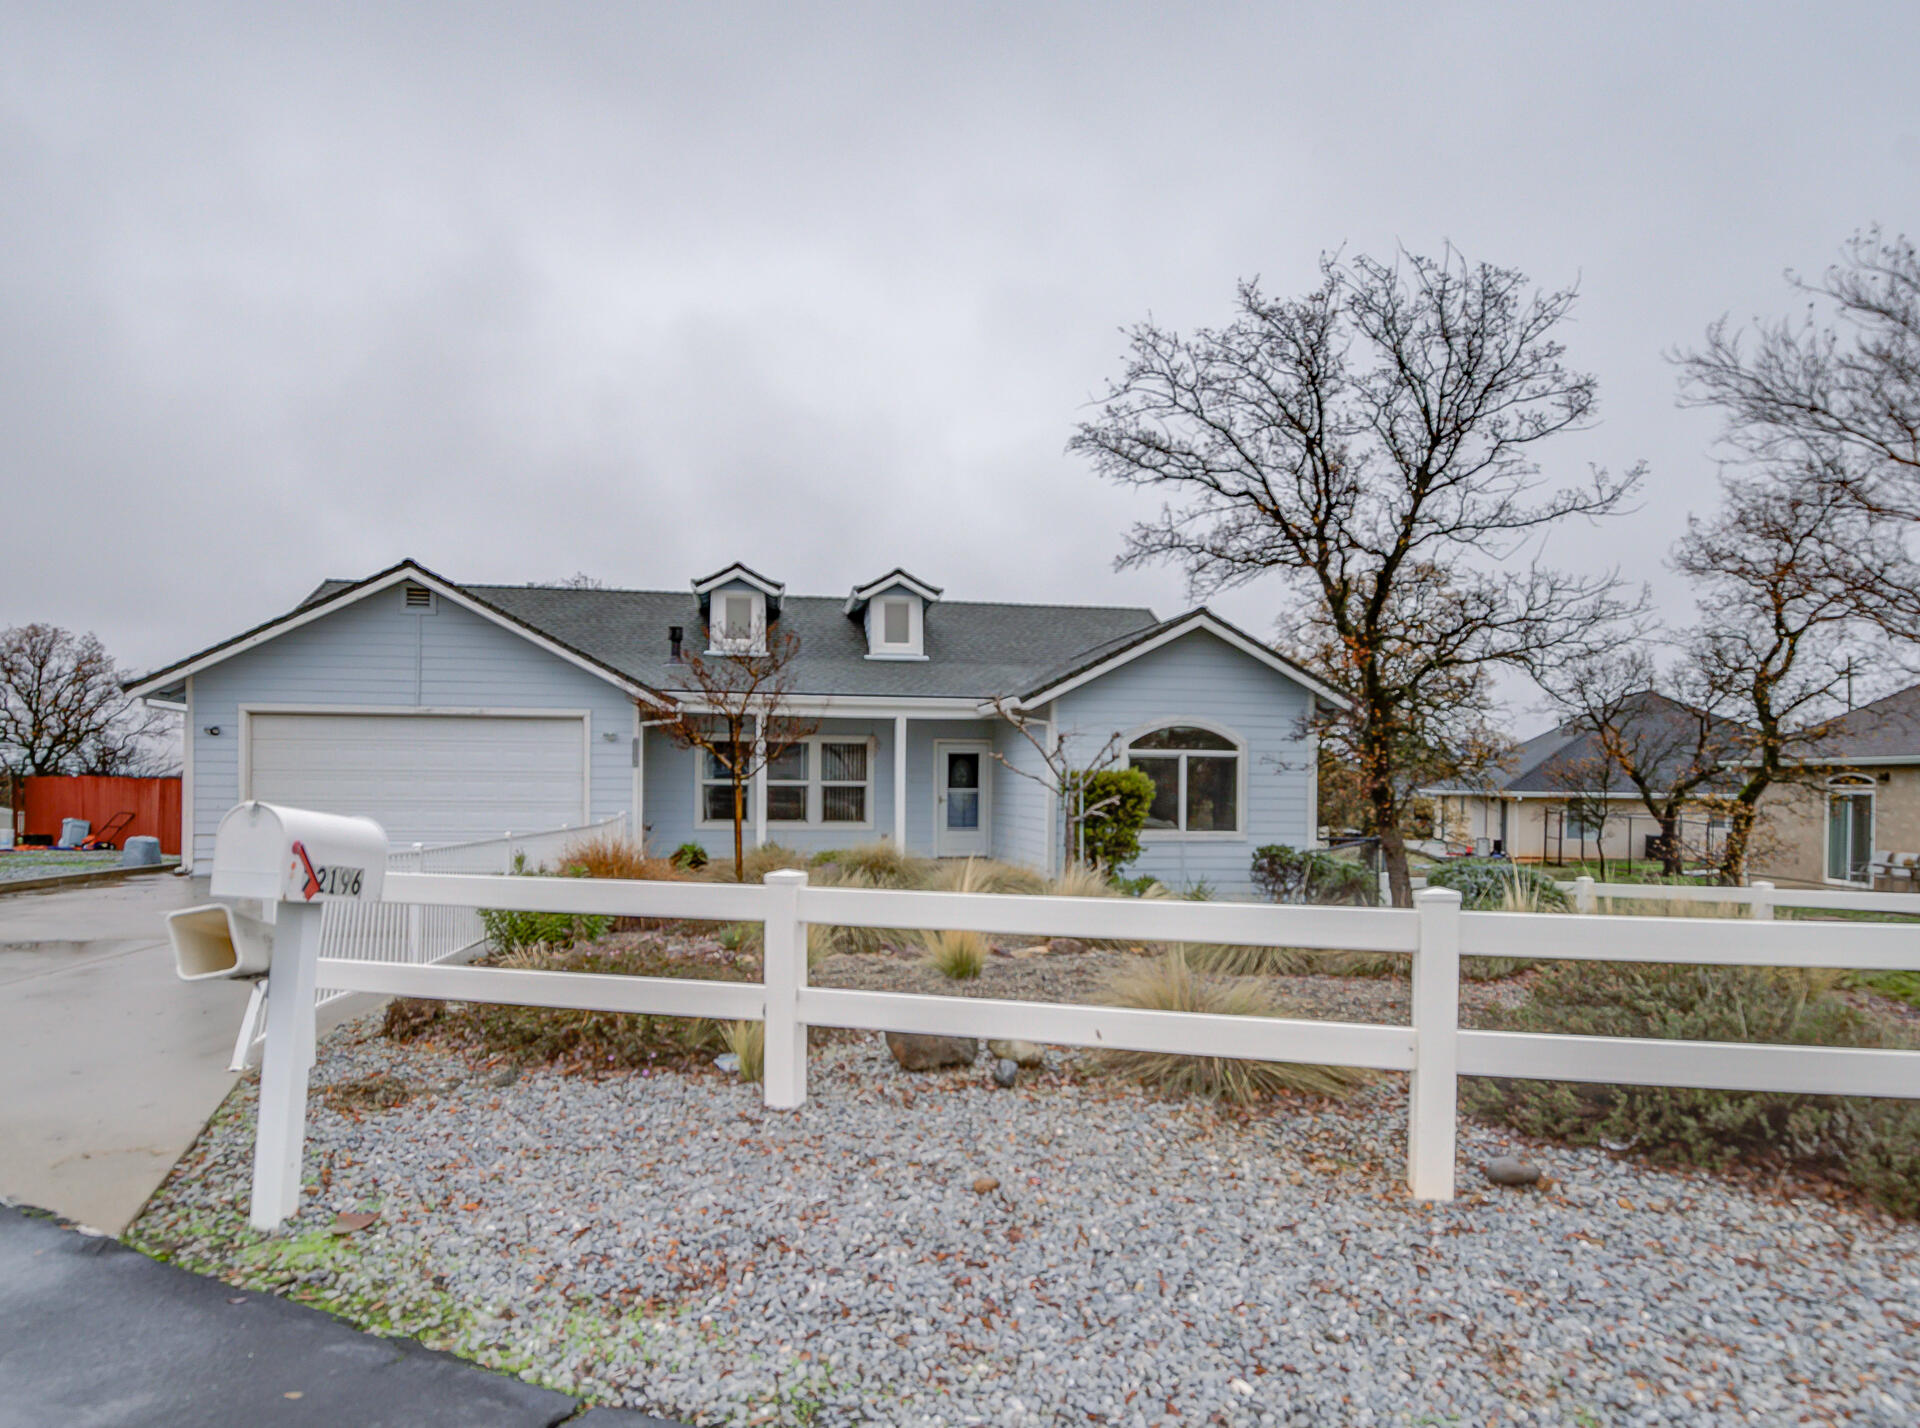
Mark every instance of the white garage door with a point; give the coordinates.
(427, 778)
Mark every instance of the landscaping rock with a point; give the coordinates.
(1005, 1073)
(505, 1076)
(931, 1053)
(727, 1061)
(985, 1185)
(1067, 946)
(1511, 1170)
(1021, 1053)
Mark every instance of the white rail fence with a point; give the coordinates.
(1433, 1049)
(1761, 898)
(414, 935)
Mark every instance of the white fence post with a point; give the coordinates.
(1583, 897)
(1763, 902)
(281, 1128)
(784, 971)
(1433, 1105)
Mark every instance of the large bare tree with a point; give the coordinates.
(736, 710)
(1777, 637)
(1834, 396)
(63, 711)
(1373, 443)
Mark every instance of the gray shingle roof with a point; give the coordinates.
(1888, 728)
(1547, 763)
(975, 649)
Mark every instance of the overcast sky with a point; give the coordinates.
(291, 292)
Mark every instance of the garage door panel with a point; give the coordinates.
(426, 778)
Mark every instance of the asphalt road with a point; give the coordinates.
(94, 1333)
(109, 1064)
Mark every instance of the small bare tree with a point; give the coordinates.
(1061, 774)
(1372, 442)
(736, 711)
(1586, 786)
(63, 709)
(1663, 732)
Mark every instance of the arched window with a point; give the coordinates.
(1196, 779)
(1850, 829)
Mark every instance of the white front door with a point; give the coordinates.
(960, 798)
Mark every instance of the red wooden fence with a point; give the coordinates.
(153, 802)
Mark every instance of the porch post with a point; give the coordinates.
(900, 781)
(759, 781)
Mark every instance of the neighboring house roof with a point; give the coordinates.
(976, 650)
(1553, 763)
(1885, 731)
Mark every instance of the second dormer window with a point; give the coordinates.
(896, 622)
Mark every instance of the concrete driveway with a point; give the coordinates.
(109, 1064)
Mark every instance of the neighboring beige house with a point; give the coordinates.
(1862, 807)
(1524, 810)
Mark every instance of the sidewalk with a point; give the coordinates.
(94, 1333)
(112, 1064)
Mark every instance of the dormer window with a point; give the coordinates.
(738, 604)
(894, 611)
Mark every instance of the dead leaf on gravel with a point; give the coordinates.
(348, 1221)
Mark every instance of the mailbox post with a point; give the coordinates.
(296, 861)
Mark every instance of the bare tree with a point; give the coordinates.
(1662, 732)
(1835, 395)
(1775, 643)
(1586, 786)
(736, 711)
(63, 710)
(1373, 442)
(1061, 774)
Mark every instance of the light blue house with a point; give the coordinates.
(451, 712)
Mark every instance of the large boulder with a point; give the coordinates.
(931, 1053)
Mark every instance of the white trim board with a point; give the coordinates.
(1212, 624)
(400, 575)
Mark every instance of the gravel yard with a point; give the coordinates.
(661, 1240)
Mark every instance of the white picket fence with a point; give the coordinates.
(1434, 1049)
(415, 935)
(1760, 898)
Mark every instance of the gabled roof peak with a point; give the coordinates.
(741, 572)
(895, 577)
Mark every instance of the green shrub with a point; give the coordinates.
(1284, 874)
(1871, 1144)
(690, 856)
(1121, 800)
(518, 933)
(1495, 885)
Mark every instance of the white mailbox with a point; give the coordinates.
(294, 855)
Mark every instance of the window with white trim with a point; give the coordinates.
(737, 622)
(895, 626)
(1196, 779)
(822, 781)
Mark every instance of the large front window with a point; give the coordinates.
(1850, 830)
(1196, 779)
(822, 780)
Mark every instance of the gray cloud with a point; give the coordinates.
(640, 290)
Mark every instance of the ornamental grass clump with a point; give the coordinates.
(959, 956)
(1495, 885)
(1870, 1144)
(609, 856)
(881, 864)
(748, 1041)
(1168, 983)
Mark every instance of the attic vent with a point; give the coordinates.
(419, 598)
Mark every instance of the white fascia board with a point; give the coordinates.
(892, 580)
(739, 572)
(1199, 620)
(865, 706)
(405, 574)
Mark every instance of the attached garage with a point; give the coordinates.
(427, 777)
